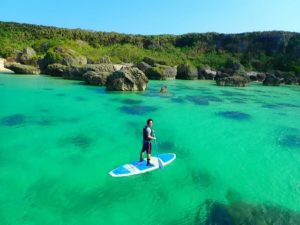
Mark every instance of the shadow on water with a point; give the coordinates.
(13, 120)
(235, 115)
(138, 109)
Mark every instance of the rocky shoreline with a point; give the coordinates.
(130, 77)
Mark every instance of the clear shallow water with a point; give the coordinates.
(59, 139)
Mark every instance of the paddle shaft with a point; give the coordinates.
(159, 160)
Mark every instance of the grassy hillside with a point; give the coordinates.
(260, 51)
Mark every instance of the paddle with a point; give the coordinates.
(160, 163)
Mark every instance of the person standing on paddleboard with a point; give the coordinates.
(148, 135)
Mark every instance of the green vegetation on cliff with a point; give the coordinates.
(260, 51)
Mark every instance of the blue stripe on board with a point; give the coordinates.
(141, 165)
(166, 157)
(120, 170)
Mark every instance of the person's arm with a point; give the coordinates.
(149, 134)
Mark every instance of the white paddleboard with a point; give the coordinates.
(137, 167)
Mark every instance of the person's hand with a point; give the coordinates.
(154, 138)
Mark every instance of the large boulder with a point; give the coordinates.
(94, 78)
(255, 76)
(233, 68)
(2, 67)
(28, 56)
(64, 56)
(18, 68)
(127, 79)
(271, 80)
(206, 73)
(234, 81)
(151, 61)
(77, 72)
(161, 72)
(143, 66)
(57, 70)
(187, 72)
(286, 77)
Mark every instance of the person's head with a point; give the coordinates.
(149, 122)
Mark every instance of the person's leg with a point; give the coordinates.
(142, 155)
(149, 154)
(144, 148)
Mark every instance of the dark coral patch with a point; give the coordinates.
(279, 106)
(44, 122)
(81, 141)
(13, 120)
(289, 105)
(238, 100)
(131, 101)
(271, 106)
(290, 141)
(166, 145)
(212, 99)
(232, 93)
(198, 100)
(201, 178)
(177, 100)
(60, 94)
(138, 109)
(81, 99)
(234, 115)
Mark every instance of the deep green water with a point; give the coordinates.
(59, 139)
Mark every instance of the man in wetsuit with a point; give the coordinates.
(148, 135)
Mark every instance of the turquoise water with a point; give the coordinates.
(59, 139)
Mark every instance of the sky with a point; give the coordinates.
(157, 16)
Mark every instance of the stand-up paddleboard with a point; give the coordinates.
(137, 167)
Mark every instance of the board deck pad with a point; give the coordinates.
(137, 167)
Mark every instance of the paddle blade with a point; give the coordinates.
(160, 163)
